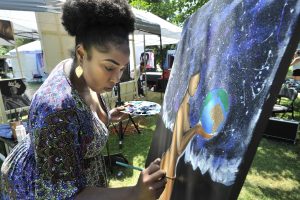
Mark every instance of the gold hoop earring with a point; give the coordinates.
(78, 71)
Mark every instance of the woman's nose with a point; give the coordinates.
(115, 78)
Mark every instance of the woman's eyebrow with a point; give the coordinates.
(112, 61)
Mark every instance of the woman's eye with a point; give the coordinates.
(108, 68)
(122, 69)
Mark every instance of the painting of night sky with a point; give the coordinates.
(228, 69)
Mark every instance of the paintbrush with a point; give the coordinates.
(138, 168)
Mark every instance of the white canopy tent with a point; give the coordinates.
(170, 33)
(32, 5)
(30, 56)
(146, 21)
(28, 29)
(57, 44)
(24, 23)
(147, 33)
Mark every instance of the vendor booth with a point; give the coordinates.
(12, 88)
(31, 58)
(57, 44)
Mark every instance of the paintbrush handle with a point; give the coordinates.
(137, 168)
(129, 166)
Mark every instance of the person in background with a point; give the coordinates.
(296, 65)
(139, 73)
(60, 158)
(141, 69)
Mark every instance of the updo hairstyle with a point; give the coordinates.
(98, 23)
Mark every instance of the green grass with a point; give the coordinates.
(274, 173)
(135, 149)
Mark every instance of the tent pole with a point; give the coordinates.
(59, 36)
(163, 78)
(145, 64)
(134, 65)
(19, 62)
(17, 52)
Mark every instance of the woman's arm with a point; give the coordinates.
(117, 115)
(106, 193)
(295, 60)
(150, 185)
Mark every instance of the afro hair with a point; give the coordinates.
(82, 15)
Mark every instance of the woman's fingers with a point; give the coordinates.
(153, 179)
(157, 177)
(159, 174)
(120, 108)
(159, 184)
(154, 166)
(158, 187)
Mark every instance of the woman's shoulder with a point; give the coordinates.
(56, 92)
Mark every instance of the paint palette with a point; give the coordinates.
(141, 108)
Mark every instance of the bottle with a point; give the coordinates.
(20, 132)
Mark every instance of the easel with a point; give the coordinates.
(120, 129)
(111, 159)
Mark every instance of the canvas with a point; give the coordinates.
(229, 65)
(6, 33)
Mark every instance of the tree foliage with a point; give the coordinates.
(175, 11)
(19, 42)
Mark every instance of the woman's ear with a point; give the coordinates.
(80, 53)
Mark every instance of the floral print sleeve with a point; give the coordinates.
(61, 154)
(59, 160)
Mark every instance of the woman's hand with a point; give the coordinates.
(116, 114)
(151, 182)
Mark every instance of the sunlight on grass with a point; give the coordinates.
(138, 161)
(274, 174)
(135, 149)
(278, 183)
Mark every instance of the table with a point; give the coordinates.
(6, 137)
(151, 77)
(136, 108)
(9, 144)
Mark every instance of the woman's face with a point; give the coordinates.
(103, 70)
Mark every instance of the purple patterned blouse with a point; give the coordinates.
(62, 152)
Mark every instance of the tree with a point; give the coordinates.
(19, 42)
(175, 11)
(186, 8)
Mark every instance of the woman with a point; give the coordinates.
(60, 158)
(140, 71)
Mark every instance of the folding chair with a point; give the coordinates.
(288, 106)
